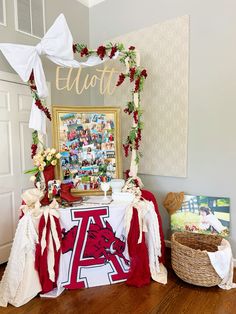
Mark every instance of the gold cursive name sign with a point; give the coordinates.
(102, 78)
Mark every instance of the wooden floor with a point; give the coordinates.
(176, 297)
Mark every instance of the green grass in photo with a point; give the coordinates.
(223, 202)
(180, 220)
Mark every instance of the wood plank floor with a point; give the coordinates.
(176, 297)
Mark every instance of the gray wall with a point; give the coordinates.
(77, 16)
(212, 93)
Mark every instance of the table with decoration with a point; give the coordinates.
(89, 244)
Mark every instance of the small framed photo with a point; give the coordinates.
(54, 188)
(88, 139)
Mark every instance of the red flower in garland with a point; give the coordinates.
(131, 48)
(127, 174)
(136, 182)
(126, 149)
(138, 139)
(135, 116)
(39, 104)
(42, 108)
(47, 113)
(126, 110)
(137, 83)
(31, 78)
(136, 143)
(144, 73)
(131, 74)
(121, 79)
(84, 52)
(101, 52)
(33, 150)
(74, 48)
(139, 134)
(113, 52)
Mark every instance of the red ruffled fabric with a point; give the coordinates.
(139, 273)
(41, 264)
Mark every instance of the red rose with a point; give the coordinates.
(144, 73)
(42, 108)
(139, 134)
(101, 52)
(121, 79)
(135, 115)
(38, 103)
(131, 74)
(131, 48)
(127, 174)
(136, 143)
(127, 110)
(113, 52)
(74, 48)
(33, 150)
(126, 149)
(137, 83)
(31, 78)
(47, 113)
(84, 52)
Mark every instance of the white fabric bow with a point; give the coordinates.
(56, 45)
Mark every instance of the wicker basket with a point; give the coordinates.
(190, 260)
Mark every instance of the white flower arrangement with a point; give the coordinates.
(43, 159)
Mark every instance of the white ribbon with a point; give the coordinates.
(37, 119)
(50, 212)
(31, 198)
(56, 45)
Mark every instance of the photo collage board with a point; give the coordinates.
(88, 141)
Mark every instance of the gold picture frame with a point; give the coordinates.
(89, 141)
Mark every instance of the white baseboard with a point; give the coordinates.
(168, 244)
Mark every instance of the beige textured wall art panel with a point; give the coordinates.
(164, 50)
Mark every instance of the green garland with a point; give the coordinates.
(136, 75)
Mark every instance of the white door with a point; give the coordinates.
(15, 152)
